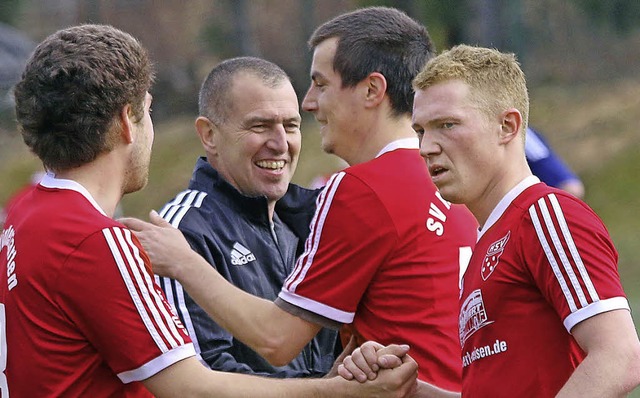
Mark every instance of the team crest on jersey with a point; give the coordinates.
(492, 258)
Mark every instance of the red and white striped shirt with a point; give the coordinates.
(83, 314)
(543, 263)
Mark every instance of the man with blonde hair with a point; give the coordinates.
(543, 312)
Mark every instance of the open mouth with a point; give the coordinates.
(271, 164)
(436, 170)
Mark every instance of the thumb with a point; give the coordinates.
(133, 224)
(156, 219)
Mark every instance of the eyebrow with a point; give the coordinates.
(271, 120)
(443, 119)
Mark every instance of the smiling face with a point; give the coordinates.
(256, 149)
(459, 141)
(333, 106)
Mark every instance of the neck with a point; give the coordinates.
(497, 189)
(380, 134)
(271, 206)
(102, 178)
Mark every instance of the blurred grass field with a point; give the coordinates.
(594, 127)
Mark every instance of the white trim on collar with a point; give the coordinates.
(506, 201)
(403, 143)
(50, 181)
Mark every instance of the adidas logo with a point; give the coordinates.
(240, 255)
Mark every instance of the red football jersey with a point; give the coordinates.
(82, 313)
(544, 262)
(384, 253)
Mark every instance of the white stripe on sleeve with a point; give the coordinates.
(148, 282)
(555, 239)
(551, 259)
(561, 239)
(573, 249)
(313, 241)
(139, 288)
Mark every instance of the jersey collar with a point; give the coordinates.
(50, 181)
(403, 143)
(506, 201)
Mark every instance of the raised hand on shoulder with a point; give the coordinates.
(167, 248)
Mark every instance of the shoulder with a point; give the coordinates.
(398, 170)
(298, 199)
(555, 217)
(190, 201)
(349, 187)
(544, 200)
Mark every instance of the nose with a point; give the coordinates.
(309, 103)
(278, 139)
(428, 146)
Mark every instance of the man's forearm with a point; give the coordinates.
(612, 365)
(276, 335)
(595, 378)
(190, 378)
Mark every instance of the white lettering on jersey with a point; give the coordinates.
(473, 316)
(484, 351)
(435, 223)
(7, 239)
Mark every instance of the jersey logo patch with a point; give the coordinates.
(240, 255)
(492, 258)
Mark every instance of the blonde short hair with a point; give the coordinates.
(496, 80)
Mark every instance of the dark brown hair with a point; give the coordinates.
(74, 85)
(378, 39)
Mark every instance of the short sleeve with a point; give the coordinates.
(351, 236)
(571, 258)
(111, 296)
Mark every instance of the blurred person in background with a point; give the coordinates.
(240, 211)
(80, 314)
(548, 166)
